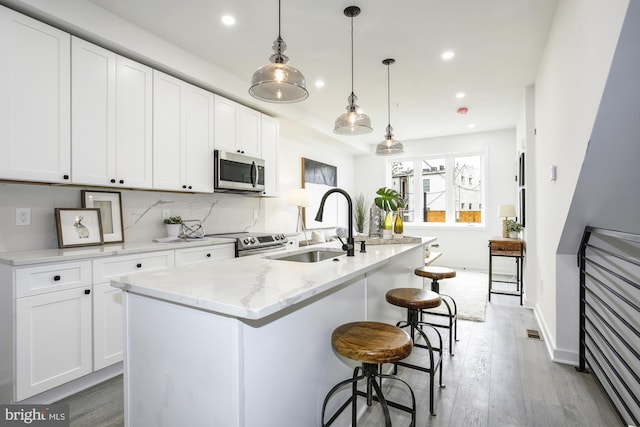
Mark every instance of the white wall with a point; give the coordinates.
(463, 247)
(569, 87)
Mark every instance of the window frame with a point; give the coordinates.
(449, 158)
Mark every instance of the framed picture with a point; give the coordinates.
(317, 179)
(521, 170)
(110, 205)
(523, 208)
(78, 227)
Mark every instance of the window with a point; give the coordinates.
(452, 189)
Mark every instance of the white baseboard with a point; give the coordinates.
(567, 357)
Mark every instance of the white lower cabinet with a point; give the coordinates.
(53, 340)
(107, 326)
(68, 321)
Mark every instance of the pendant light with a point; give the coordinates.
(352, 122)
(389, 145)
(277, 81)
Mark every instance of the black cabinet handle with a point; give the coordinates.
(208, 255)
(113, 181)
(65, 176)
(122, 181)
(184, 186)
(139, 265)
(87, 291)
(56, 278)
(190, 187)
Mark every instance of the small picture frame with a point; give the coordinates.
(78, 227)
(110, 205)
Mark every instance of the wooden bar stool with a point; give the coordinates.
(415, 300)
(372, 344)
(435, 274)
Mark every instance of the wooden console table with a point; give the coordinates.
(511, 248)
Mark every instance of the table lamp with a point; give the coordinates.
(506, 211)
(300, 197)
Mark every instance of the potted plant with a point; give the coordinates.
(360, 212)
(173, 225)
(388, 200)
(513, 228)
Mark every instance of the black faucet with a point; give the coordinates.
(350, 242)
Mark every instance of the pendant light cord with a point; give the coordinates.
(351, 54)
(279, 19)
(388, 95)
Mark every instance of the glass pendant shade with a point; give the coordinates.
(390, 145)
(352, 122)
(278, 81)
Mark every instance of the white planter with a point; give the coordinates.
(173, 230)
(513, 234)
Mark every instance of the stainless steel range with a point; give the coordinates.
(256, 243)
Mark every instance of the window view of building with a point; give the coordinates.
(450, 188)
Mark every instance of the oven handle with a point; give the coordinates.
(256, 251)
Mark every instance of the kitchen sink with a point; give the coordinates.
(312, 255)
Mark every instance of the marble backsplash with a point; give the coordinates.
(141, 211)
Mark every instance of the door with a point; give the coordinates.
(53, 340)
(35, 101)
(107, 325)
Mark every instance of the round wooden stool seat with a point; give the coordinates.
(371, 342)
(435, 273)
(413, 298)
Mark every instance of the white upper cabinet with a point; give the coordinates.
(270, 135)
(237, 128)
(183, 135)
(112, 118)
(34, 100)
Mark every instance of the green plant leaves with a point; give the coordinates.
(388, 199)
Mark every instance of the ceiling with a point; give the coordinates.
(497, 44)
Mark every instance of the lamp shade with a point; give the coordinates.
(299, 197)
(507, 211)
(278, 82)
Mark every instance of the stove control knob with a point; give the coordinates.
(245, 241)
(277, 237)
(253, 240)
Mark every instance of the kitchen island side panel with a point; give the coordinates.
(289, 363)
(181, 366)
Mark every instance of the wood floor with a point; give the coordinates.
(497, 377)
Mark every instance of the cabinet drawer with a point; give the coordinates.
(52, 277)
(105, 269)
(203, 254)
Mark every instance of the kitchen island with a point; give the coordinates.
(247, 341)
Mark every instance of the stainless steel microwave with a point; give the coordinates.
(238, 173)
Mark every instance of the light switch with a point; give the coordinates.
(23, 216)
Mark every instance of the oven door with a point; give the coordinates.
(237, 172)
(263, 250)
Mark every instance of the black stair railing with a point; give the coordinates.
(609, 263)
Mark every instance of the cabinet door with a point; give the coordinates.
(107, 325)
(226, 124)
(134, 103)
(35, 100)
(53, 340)
(93, 113)
(111, 112)
(167, 132)
(270, 135)
(249, 137)
(198, 142)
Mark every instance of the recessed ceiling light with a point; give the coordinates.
(471, 126)
(447, 55)
(319, 83)
(460, 95)
(228, 20)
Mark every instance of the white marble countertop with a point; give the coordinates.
(22, 258)
(254, 287)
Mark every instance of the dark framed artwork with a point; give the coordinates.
(521, 170)
(78, 227)
(317, 179)
(110, 205)
(522, 207)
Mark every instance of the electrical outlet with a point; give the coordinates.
(166, 213)
(23, 216)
